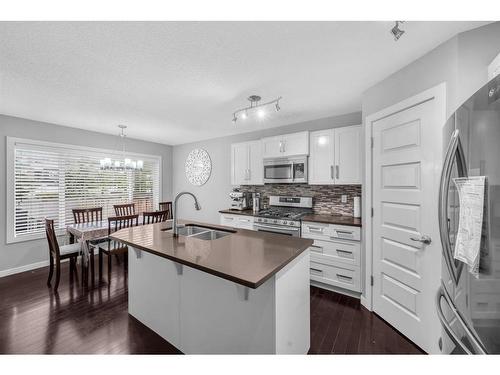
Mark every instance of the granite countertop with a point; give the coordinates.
(323, 218)
(245, 257)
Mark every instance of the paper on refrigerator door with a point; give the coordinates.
(468, 241)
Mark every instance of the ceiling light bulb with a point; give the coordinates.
(261, 113)
(244, 115)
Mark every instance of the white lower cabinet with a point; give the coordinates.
(237, 221)
(344, 277)
(335, 255)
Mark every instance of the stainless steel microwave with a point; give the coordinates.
(285, 170)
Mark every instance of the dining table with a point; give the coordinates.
(84, 233)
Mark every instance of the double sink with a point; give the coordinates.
(203, 233)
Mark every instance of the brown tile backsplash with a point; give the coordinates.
(326, 198)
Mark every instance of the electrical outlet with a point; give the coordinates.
(343, 198)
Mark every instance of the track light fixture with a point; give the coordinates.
(255, 108)
(396, 31)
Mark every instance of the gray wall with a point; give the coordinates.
(461, 62)
(29, 252)
(214, 195)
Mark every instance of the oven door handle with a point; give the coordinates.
(295, 229)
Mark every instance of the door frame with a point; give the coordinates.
(436, 93)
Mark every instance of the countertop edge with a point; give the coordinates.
(214, 272)
(319, 218)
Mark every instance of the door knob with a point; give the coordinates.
(423, 238)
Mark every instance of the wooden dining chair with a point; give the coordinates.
(154, 217)
(87, 215)
(166, 206)
(58, 253)
(126, 209)
(111, 246)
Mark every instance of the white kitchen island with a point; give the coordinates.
(247, 292)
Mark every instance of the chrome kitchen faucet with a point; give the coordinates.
(174, 216)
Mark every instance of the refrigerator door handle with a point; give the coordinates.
(454, 152)
(443, 293)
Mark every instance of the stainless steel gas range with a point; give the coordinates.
(283, 215)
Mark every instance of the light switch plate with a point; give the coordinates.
(343, 198)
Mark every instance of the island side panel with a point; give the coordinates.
(221, 317)
(153, 293)
(292, 295)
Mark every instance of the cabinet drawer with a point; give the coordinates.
(315, 230)
(347, 278)
(244, 222)
(237, 221)
(345, 232)
(228, 220)
(332, 252)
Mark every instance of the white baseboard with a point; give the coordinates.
(27, 267)
(365, 303)
(332, 288)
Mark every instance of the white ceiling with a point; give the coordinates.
(177, 82)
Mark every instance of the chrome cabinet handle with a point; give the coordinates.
(348, 278)
(423, 238)
(281, 146)
(454, 152)
(284, 146)
(443, 293)
(317, 249)
(337, 171)
(344, 231)
(315, 229)
(316, 270)
(344, 252)
(331, 172)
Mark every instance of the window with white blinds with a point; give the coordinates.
(48, 180)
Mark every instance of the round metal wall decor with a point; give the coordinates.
(198, 167)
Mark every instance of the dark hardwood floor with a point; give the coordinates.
(95, 320)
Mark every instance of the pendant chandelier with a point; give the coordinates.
(256, 109)
(125, 164)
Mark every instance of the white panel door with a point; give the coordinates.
(406, 159)
(348, 146)
(255, 164)
(321, 159)
(239, 164)
(272, 147)
(295, 144)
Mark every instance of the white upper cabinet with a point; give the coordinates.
(322, 157)
(239, 163)
(272, 147)
(348, 146)
(286, 145)
(246, 163)
(335, 156)
(255, 164)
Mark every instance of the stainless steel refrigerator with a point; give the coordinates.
(468, 305)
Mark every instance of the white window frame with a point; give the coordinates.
(9, 178)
